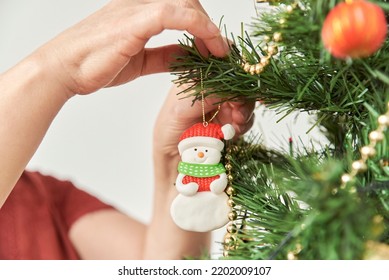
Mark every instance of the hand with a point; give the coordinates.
(105, 49)
(108, 47)
(178, 114)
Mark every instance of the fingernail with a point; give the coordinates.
(252, 115)
(213, 28)
(246, 114)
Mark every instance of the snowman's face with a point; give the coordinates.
(201, 154)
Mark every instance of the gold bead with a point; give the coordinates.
(289, 8)
(359, 165)
(282, 21)
(229, 242)
(229, 157)
(227, 238)
(228, 166)
(231, 228)
(252, 69)
(383, 120)
(272, 49)
(291, 256)
(346, 178)
(258, 68)
(368, 151)
(230, 177)
(376, 250)
(246, 67)
(232, 216)
(277, 36)
(230, 191)
(265, 61)
(230, 202)
(225, 254)
(376, 136)
(378, 219)
(266, 38)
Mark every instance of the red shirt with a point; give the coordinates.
(36, 218)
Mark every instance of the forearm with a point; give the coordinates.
(164, 239)
(30, 97)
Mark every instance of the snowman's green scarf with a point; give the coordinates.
(200, 170)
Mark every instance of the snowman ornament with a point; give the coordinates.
(201, 204)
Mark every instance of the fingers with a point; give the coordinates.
(157, 60)
(242, 128)
(150, 61)
(200, 45)
(194, 4)
(240, 115)
(167, 15)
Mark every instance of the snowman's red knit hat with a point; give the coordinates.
(207, 136)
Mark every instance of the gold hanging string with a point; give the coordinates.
(205, 122)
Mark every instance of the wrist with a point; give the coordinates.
(32, 81)
(49, 69)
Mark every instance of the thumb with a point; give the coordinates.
(157, 60)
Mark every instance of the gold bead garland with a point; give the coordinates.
(357, 167)
(259, 67)
(368, 151)
(271, 47)
(230, 237)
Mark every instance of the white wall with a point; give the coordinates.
(102, 142)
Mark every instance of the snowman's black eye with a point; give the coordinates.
(206, 151)
(195, 149)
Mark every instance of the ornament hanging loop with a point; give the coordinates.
(205, 122)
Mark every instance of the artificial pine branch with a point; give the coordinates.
(303, 77)
(275, 224)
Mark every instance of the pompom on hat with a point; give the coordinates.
(207, 136)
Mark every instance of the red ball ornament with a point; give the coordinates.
(354, 29)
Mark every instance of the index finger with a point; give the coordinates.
(169, 16)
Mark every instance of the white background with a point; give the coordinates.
(102, 142)
(270, 270)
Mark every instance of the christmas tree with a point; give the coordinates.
(331, 60)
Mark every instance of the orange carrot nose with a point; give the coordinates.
(200, 154)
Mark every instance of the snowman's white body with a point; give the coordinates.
(203, 210)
